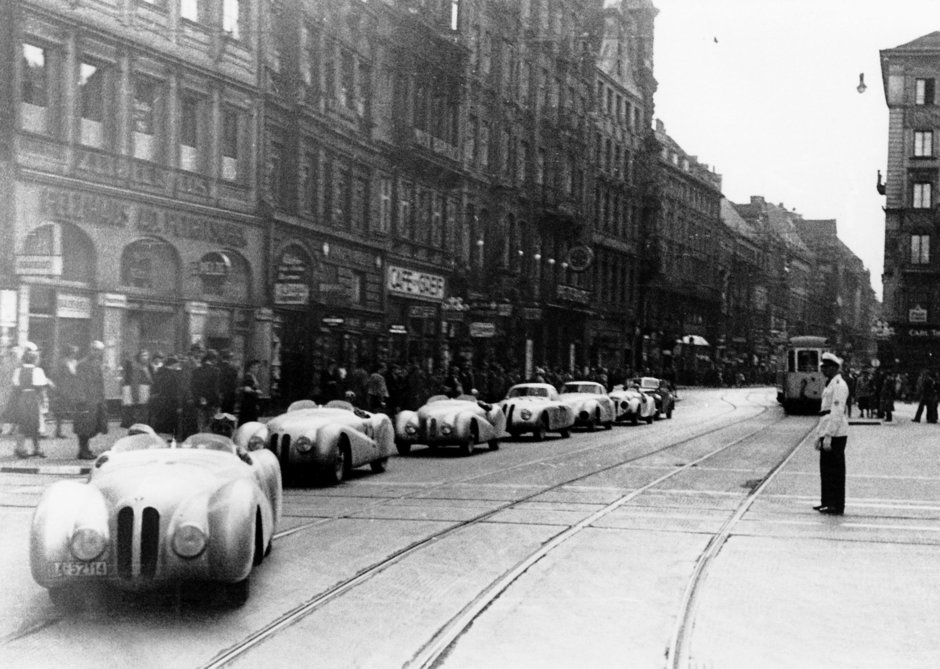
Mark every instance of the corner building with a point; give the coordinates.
(133, 132)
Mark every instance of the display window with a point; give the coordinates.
(152, 266)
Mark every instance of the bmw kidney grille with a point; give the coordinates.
(138, 546)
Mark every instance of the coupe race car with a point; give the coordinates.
(152, 514)
(326, 442)
(590, 404)
(463, 421)
(632, 404)
(536, 408)
(661, 392)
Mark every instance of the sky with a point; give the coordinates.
(765, 91)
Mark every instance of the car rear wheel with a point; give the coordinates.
(379, 466)
(236, 594)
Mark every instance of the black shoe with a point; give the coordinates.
(38, 454)
(87, 455)
(915, 420)
(818, 507)
(831, 511)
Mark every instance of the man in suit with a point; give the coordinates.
(91, 416)
(831, 436)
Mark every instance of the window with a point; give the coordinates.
(405, 197)
(437, 220)
(234, 18)
(921, 196)
(347, 80)
(35, 91)
(341, 193)
(157, 4)
(360, 204)
(196, 11)
(233, 124)
(454, 14)
(920, 249)
(923, 143)
(148, 114)
(385, 204)
(190, 132)
(309, 183)
(94, 102)
(923, 91)
(484, 146)
(310, 48)
(357, 284)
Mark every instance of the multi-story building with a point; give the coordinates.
(131, 206)
(682, 294)
(911, 271)
(623, 107)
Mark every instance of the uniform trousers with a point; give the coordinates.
(832, 474)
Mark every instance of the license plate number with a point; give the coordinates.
(99, 568)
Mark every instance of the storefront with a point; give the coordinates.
(415, 298)
(134, 275)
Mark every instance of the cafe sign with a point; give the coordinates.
(414, 284)
(917, 315)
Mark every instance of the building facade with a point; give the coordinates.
(133, 181)
(911, 272)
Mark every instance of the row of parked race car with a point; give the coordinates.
(153, 512)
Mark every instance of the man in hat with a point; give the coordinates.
(831, 435)
(91, 416)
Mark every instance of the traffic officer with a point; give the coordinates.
(831, 435)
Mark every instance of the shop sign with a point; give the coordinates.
(291, 268)
(82, 207)
(572, 294)
(415, 284)
(532, 313)
(482, 329)
(397, 329)
(491, 309)
(291, 293)
(453, 316)
(454, 304)
(73, 306)
(333, 293)
(332, 321)
(421, 312)
(917, 315)
(39, 265)
(579, 258)
(923, 333)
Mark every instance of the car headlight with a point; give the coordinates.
(303, 444)
(525, 414)
(411, 429)
(189, 541)
(446, 430)
(87, 544)
(256, 443)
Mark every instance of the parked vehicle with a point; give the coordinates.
(324, 443)
(442, 421)
(632, 404)
(590, 403)
(536, 408)
(153, 513)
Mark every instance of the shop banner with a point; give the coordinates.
(414, 284)
(482, 330)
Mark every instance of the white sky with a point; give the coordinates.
(773, 107)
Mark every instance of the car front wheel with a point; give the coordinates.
(236, 594)
(403, 448)
(379, 466)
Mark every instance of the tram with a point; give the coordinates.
(800, 380)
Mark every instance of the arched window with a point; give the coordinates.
(65, 242)
(152, 265)
(222, 275)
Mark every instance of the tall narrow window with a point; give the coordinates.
(341, 193)
(920, 249)
(921, 198)
(196, 11)
(437, 220)
(34, 94)
(94, 97)
(234, 18)
(347, 80)
(360, 204)
(309, 184)
(232, 142)
(405, 198)
(923, 143)
(148, 115)
(923, 91)
(189, 133)
(454, 14)
(484, 146)
(385, 205)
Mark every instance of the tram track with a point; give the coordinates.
(431, 652)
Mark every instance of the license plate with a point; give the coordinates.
(58, 569)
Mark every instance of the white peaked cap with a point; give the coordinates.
(831, 357)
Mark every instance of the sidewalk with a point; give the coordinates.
(61, 454)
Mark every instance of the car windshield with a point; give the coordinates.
(647, 382)
(589, 388)
(528, 391)
(209, 442)
(138, 442)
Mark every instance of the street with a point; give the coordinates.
(599, 550)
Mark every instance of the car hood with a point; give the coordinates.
(164, 479)
(574, 399)
(530, 399)
(304, 420)
(448, 409)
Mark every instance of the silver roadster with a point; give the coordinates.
(153, 513)
(632, 404)
(327, 442)
(590, 404)
(536, 408)
(442, 421)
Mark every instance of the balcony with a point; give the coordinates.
(427, 154)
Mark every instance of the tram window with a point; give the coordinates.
(807, 361)
(791, 361)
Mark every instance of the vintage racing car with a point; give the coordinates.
(536, 408)
(462, 421)
(590, 404)
(326, 442)
(632, 404)
(661, 392)
(153, 514)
